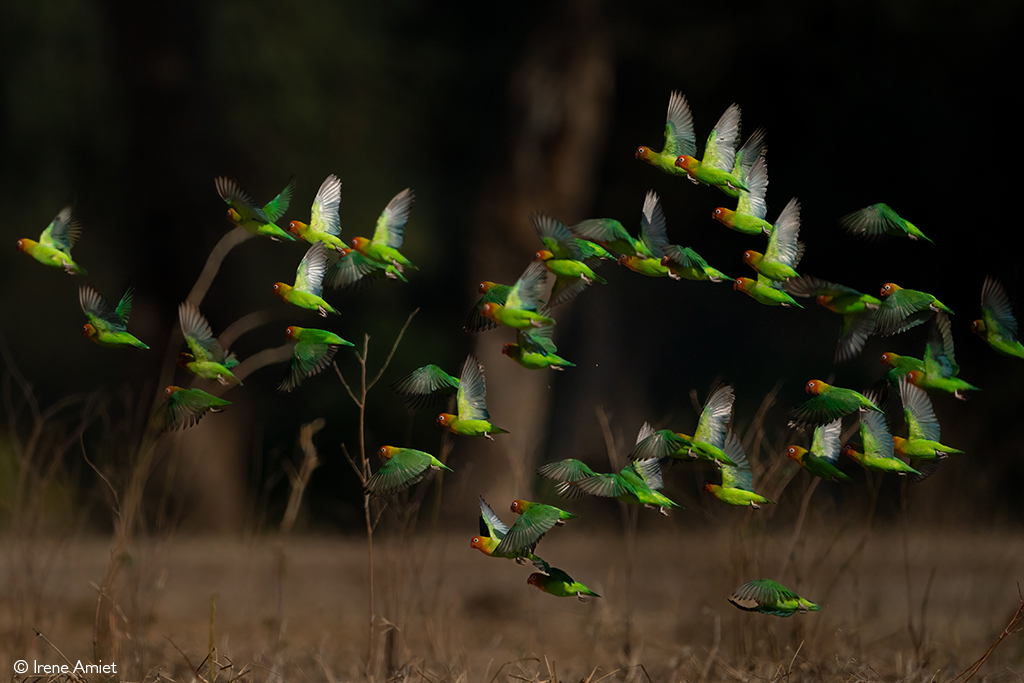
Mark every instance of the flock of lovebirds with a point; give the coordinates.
(571, 254)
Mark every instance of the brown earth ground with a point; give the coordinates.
(895, 606)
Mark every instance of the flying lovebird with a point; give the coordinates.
(185, 407)
(737, 486)
(207, 359)
(905, 308)
(402, 468)
(349, 269)
(608, 234)
(55, 243)
(922, 444)
(940, 368)
(490, 293)
(492, 531)
(719, 153)
(828, 403)
(784, 250)
(564, 258)
(107, 327)
(426, 385)
(997, 325)
(685, 263)
(770, 597)
(243, 211)
(647, 259)
(708, 439)
(535, 520)
(821, 459)
(877, 442)
(765, 291)
(313, 351)
(473, 418)
(556, 582)
(857, 309)
(879, 219)
(900, 366)
(309, 277)
(638, 483)
(535, 350)
(389, 234)
(324, 221)
(751, 208)
(679, 137)
(520, 308)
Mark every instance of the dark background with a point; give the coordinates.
(130, 110)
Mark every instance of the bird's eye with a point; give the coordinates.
(383, 451)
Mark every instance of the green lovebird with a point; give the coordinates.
(473, 418)
(107, 327)
(314, 349)
(719, 152)
(309, 277)
(324, 222)
(770, 597)
(490, 293)
(185, 407)
(492, 531)
(940, 368)
(708, 439)
(520, 308)
(857, 309)
(685, 263)
(879, 219)
(389, 234)
(905, 308)
(55, 242)
(564, 259)
(784, 250)
(997, 326)
(765, 291)
(922, 444)
(737, 480)
(744, 161)
(878, 447)
(534, 350)
(402, 468)
(535, 520)
(679, 137)
(608, 234)
(639, 482)
(349, 269)
(900, 366)
(207, 359)
(243, 210)
(558, 583)
(751, 208)
(828, 403)
(427, 385)
(821, 459)
(650, 250)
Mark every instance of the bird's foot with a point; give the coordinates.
(663, 511)
(488, 436)
(755, 506)
(520, 560)
(580, 597)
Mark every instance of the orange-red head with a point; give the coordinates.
(280, 288)
(88, 331)
(850, 452)
(171, 390)
(234, 217)
(824, 300)
(25, 245)
(488, 310)
(184, 359)
(519, 506)
(889, 359)
(536, 578)
(345, 251)
(644, 153)
(722, 215)
(480, 544)
(978, 327)
(543, 255)
(360, 243)
(295, 227)
(890, 288)
(509, 350)
(897, 444)
(915, 377)
(445, 419)
(743, 284)
(486, 286)
(386, 452)
(708, 486)
(796, 453)
(750, 256)
(687, 163)
(291, 332)
(815, 387)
